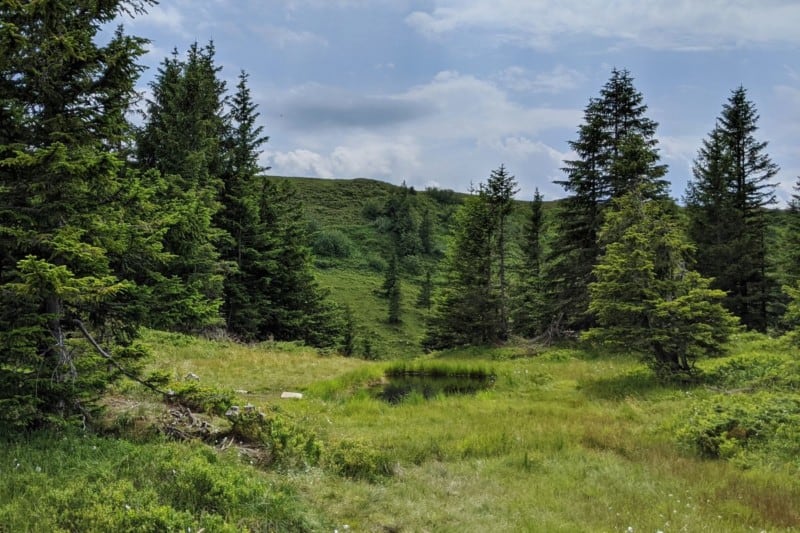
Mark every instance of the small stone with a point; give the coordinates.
(291, 395)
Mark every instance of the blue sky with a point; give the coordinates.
(440, 92)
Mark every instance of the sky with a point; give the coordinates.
(441, 92)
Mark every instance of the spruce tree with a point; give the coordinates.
(726, 202)
(401, 223)
(529, 312)
(791, 247)
(244, 242)
(70, 208)
(499, 192)
(393, 291)
(426, 238)
(289, 300)
(473, 306)
(426, 292)
(617, 152)
(466, 309)
(182, 139)
(646, 298)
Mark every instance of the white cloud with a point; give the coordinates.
(452, 130)
(168, 18)
(285, 37)
(467, 107)
(361, 156)
(557, 80)
(681, 149)
(658, 24)
(520, 147)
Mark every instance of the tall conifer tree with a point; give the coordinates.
(245, 241)
(466, 309)
(291, 304)
(181, 138)
(529, 310)
(645, 297)
(499, 192)
(472, 307)
(70, 209)
(617, 151)
(726, 201)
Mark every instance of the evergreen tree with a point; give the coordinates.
(425, 292)
(70, 209)
(290, 302)
(791, 247)
(466, 309)
(392, 289)
(793, 312)
(182, 139)
(617, 151)
(499, 192)
(726, 202)
(245, 242)
(529, 313)
(645, 297)
(426, 241)
(401, 224)
(473, 305)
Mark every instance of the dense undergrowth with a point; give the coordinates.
(79, 482)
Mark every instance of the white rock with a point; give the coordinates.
(291, 395)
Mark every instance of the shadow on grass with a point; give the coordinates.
(639, 383)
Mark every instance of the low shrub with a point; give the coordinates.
(760, 428)
(84, 483)
(762, 372)
(286, 444)
(357, 459)
(202, 398)
(332, 243)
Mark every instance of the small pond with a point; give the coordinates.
(398, 385)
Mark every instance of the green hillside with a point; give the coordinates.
(351, 254)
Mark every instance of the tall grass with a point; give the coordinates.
(564, 440)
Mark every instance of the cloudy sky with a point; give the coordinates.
(440, 92)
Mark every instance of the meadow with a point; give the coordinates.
(565, 439)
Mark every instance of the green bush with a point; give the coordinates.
(376, 263)
(761, 428)
(372, 209)
(762, 371)
(356, 459)
(201, 397)
(332, 243)
(286, 443)
(84, 483)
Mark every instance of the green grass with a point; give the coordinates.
(360, 291)
(564, 440)
(73, 482)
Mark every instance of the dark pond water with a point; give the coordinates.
(397, 388)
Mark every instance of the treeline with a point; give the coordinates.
(618, 262)
(106, 227)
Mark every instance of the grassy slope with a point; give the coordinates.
(355, 281)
